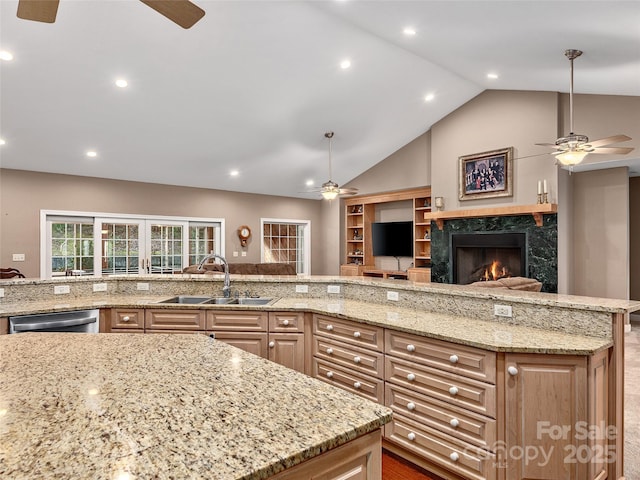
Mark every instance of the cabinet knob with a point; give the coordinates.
(329, 374)
(453, 390)
(454, 457)
(454, 422)
(453, 359)
(411, 377)
(356, 334)
(329, 327)
(357, 385)
(411, 436)
(329, 351)
(411, 348)
(512, 370)
(357, 359)
(126, 318)
(411, 406)
(285, 323)
(272, 344)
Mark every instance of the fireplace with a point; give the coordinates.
(484, 256)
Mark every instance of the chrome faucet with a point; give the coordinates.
(226, 289)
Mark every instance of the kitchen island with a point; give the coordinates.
(131, 406)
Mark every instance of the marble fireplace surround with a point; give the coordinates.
(538, 222)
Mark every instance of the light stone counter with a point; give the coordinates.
(131, 406)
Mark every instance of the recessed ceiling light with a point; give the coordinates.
(409, 31)
(4, 55)
(234, 173)
(121, 82)
(345, 64)
(492, 76)
(92, 153)
(2, 142)
(310, 183)
(429, 97)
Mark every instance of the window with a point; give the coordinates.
(287, 241)
(103, 244)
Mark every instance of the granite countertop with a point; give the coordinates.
(104, 406)
(494, 336)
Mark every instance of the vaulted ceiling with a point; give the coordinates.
(254, 85)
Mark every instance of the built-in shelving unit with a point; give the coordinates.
(360, 214)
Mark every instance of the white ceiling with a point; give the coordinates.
(255, 85)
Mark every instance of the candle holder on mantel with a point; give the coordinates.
(539, 198)
(545, 198)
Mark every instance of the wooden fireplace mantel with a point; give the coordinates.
(537, 210)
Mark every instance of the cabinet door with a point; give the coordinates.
(287, 349)
(252, 342)
(174, 319)
(545, 399)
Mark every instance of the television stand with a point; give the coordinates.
(397, 274)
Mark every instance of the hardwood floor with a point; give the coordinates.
(395, 468)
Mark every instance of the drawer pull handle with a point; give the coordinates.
(411, 377)
(454, 457)
(453, 390)
(126, 318)
(329, 351)
(285, 323)
(512, 371)
(329, 327)
(357, 385)
(411, 436)
(411, 406)
(454, 422)
(329, 374)
(272, 344)
(356, 334)
(411, 348)
(357, 359)
(453, 358)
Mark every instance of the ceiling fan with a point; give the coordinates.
(331, 189)
(572, 149)
(182, 12)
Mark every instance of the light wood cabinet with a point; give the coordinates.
(169, 319)
(252, 342)
(360, 459)
(126, 320)
(360, 213)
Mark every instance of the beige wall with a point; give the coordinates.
(634, 238)
(24, 194)
(601, 233)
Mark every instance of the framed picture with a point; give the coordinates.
(486, 175)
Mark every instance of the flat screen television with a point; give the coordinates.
(392, 239)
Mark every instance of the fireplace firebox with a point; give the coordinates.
(487, 256)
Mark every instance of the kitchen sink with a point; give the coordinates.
(186, 299)
(197, 300)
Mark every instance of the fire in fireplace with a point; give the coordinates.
(487, 256)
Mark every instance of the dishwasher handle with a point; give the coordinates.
(29, 327)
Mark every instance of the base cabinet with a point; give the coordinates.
(360, 459)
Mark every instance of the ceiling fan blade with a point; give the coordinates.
(610, 140)
(38, 10)
(182, 12)
(613, 150)
(536, 155)
(348, 191)
(552, 145)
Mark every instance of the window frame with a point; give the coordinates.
(306, 249)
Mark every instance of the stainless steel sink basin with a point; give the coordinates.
(186, 299)
(251, 301)
(219, 301)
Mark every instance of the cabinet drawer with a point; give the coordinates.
(237, 321)
(127, 330)
(354, 358)
(469, 361)
(127, 318)
(363, 385)
(469, 462)
(174, 319)
(286, 322)
(450, 419)
(354, 333)
(455, 389)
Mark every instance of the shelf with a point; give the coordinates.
(537, 210)
(423, 239)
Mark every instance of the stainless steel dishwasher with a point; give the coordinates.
(79, 321)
